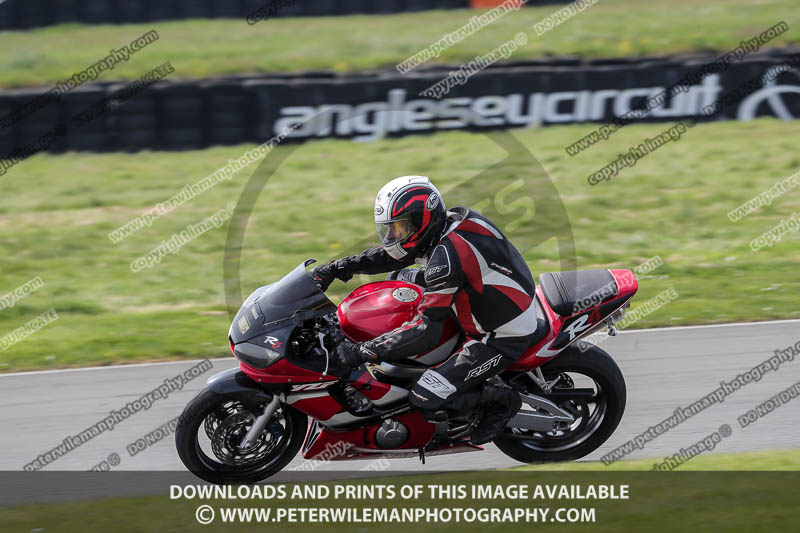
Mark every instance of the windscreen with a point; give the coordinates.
(274, 305)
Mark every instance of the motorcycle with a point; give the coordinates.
(251, 421)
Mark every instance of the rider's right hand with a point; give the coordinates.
(353, 354)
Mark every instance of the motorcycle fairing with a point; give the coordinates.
(363, 315)
(564, 330)
(262, 326)
(321, 440)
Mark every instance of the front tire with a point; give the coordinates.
(220, 418)
(595, 426)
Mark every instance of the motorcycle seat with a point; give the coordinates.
(397, 374)
(563, 290)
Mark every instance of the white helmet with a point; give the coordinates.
(410, 216)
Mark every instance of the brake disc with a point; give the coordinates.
(219, 414)
(226, 440)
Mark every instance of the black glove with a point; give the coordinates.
(352, 355)
(323, 276)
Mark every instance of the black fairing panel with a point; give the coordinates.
(233, 383)
(275, 310)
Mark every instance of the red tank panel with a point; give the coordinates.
(378, 307)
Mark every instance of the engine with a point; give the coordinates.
(391, 434)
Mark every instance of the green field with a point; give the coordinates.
(57, 211)
(202, 48)
(662, 501)
(769, 460)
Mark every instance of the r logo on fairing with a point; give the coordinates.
(577, 327)
(274, 342)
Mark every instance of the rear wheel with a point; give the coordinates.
(597, 403)
(212, 427)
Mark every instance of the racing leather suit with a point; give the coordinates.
(474, 274)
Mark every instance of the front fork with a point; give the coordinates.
(234, 383)
(261, 421)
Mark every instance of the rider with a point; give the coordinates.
(471, 272)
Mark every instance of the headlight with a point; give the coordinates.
(272, 356)
(256, 356)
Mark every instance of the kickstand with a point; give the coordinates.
(422, 454)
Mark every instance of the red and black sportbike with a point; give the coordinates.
(250, 422)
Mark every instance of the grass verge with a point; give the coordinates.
(768, 460)
(202, 48)
(57, 211)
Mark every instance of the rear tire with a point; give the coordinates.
(206, 467)
(597, 365)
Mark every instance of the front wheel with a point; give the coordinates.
(590, 386)
(212, 427)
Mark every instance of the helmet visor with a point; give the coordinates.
(394, 231)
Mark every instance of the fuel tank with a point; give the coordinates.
(378, 307)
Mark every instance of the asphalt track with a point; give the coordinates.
(663, 368)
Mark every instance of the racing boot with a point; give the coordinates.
(499, 405)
